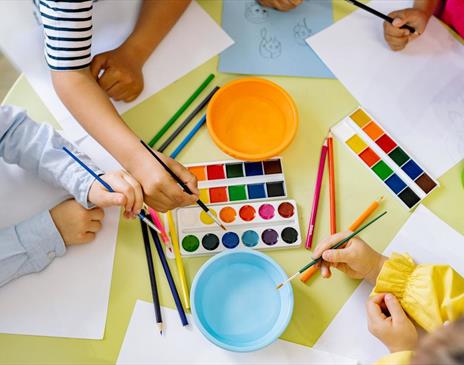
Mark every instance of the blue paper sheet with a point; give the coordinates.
(269, 42)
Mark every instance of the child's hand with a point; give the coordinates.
(122, 78)
(162, 193)
(395, 329)
(357, 259)
(128, 193)
(282, 5)
(76, 224)
(398, 38)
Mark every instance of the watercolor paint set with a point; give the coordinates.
(234, 181)
(267, 224)
(404, 177)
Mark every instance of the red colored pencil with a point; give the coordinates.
(330, 157)
(317, 193)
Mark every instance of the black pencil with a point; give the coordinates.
(380, 15)
(184, 186)
(170, 279)
(187, 120)
(151, 273)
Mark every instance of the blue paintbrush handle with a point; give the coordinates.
(89, 170)
(189, 136)
(167, 272)
(98, 178)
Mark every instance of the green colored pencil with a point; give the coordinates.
(334, 247)
(182, 109)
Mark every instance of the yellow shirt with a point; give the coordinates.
(430, 294)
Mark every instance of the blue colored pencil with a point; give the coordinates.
(167, 272)
(189, 136)
(105, 184)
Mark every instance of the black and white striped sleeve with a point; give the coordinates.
(67, 26)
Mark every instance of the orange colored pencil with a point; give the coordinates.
(333, 215)
(357, 223)
(304, 277)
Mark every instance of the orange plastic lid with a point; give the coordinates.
(252, 119)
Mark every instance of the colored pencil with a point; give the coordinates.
(187, 120)
(176, 116)
(179, 262)
(330, 157)
(355, 225)
(304, 277)
(105, 184)
(380, 15)
(189, 136)
(317, 194)
(151, 273)
(334, 247)
(170, 279)
(184, 186)
(158, 223)
(308, 274)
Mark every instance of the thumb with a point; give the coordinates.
(98, 63)
(394, 307)
(107, 199)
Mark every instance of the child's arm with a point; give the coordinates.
(31, 245)
(68, 33)
(430, 294)
(38, 148)
(122, 78)
(417, 17)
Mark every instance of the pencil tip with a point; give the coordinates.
(382, 198)
(330, 135)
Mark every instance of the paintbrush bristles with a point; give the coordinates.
(218, 222)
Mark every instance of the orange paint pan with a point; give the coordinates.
(252, 119)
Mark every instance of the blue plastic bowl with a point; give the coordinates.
(235, 303)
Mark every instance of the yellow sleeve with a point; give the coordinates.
(430, 294)
(396, 358)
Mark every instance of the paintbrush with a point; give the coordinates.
(184, 186)
(334, 247)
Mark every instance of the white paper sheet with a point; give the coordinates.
(70, 297)
(416, 94)
(428, 240)
(186, 345)
(192, 41)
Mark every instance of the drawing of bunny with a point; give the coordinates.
(269, 47)
(301, 31)
(255, 13)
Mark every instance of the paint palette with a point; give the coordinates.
(258, 225)
(384, 157)
(233, 181)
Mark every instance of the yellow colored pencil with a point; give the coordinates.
(179, 262)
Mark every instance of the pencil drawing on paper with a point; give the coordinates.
(269, 46)
(255, 13)
(301, 32)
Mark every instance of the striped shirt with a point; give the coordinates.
(67, 26)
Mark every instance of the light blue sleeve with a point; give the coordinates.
(38, 148)
(31, 245)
